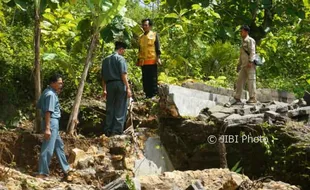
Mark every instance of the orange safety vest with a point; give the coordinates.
(147, 53)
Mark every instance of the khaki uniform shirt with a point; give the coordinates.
(248, 44)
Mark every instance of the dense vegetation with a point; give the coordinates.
(199, 40)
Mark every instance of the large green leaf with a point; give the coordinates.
(172, 15)
(106, 17)
(21, 4)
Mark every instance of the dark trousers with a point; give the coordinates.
(149, 80)
(116, 107)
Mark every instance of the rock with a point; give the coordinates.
(76, 155)
(117, 157)
(244, 110)
(272, 114)
(118, 144)
(187, 102)
(215, 91)
(236, 119)
(84, 176)
(92, 150)
(2, 186)
(219, 116)
(278, 185)
(129, 163)
(120, 184)
(196, 186)
(221, 109)
(307, 98)
(85, 162)
(202, 117)
(215, 179)
(267, 95)
(104, 141)
(299, 112)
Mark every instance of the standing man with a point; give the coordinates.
(246, 66)
(149, 57)
(115, 89)
(50, 113)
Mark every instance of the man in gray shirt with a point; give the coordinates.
(115, 89)
(50, 113)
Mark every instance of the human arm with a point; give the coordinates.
(104, 88)
(251, 47)
(125, 81)
(47, 119)
(157, 49)
(124, 77)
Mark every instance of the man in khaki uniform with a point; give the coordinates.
(246, 66)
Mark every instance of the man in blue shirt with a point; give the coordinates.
(50, 113)
(115, 89)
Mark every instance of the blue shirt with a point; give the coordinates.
(113, 67)
(49, 102)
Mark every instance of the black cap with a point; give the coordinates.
(245, 27)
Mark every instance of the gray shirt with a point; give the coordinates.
(113, 67)
(49, 102)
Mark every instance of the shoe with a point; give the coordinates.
(251, 101)
(236, 102)
(67, 174)
(42, 176)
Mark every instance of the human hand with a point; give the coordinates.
(104, 94)
(47, 134)
(129, 93)
(159, 61)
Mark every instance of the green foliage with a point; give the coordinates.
(217, 82)
(130, 183)
(236, 168)
(221, 59)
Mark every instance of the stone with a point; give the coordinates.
(272, 114)
(306, 97)
(278, 185)
(117, 184)
(117, 157)
(202, 117)
(129, 163)
(76, 155)
(119, 143)
(219, 116)
(299, 112)
(92, 150)
(2, 186)
(196, 186)
(85, 162)
(188, 102)
(221, 109)
(214, 90)
(244, 110)
(236, 119)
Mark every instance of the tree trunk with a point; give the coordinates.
(222, 154)
(74, 113)
(37, 77)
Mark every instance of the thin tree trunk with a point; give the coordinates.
(222, 147)
(75, 109)
(222, 154)
(37, 77)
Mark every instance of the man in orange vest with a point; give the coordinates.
(149, 57)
